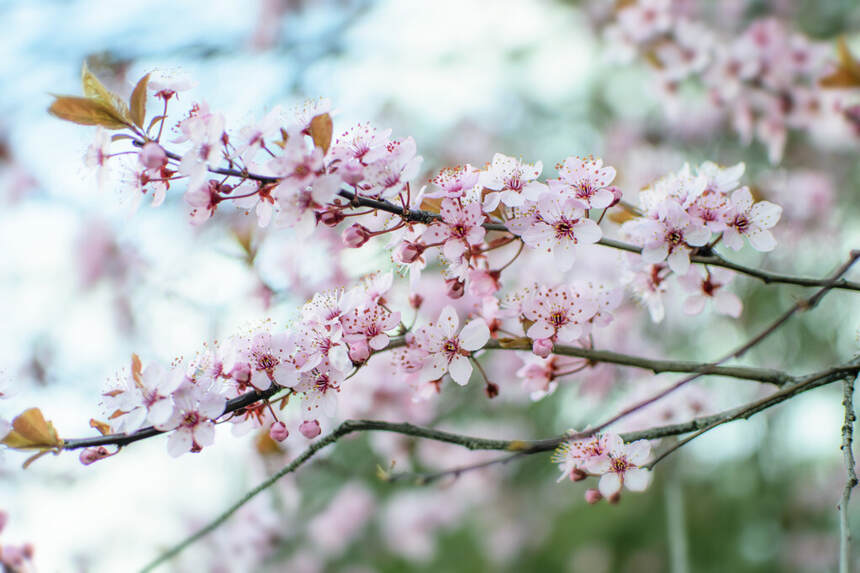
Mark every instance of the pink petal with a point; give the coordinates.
(460, 370)
(474, 335)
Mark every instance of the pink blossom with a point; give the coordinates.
(558, 313)
(91, 455)
(704, 284)
(558, 227)
(263, 358)
(459, 229)
(359, 145)
(668, 237)
(446, 351)
(191, 424)
(454, 182)
(369, 325)
(511, 182)
(296, 205)
(166, 84)
(575, 457)
(97, 155)
(586, 181)
(204, 130)
(752, 221)
(389, 174)
(621, 466)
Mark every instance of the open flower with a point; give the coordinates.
(446, 351)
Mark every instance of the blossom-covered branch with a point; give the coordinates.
(519, 447)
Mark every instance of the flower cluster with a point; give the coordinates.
(683, 212)
(767, 79)
(605, 456)
(338, 331)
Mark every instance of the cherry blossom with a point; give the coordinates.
(704, 284)
(746, 219)
(447, 351)
(459, 229)
(558, 226)
(585, 180)
(191, 424)
(512, 182)
(558, 313)
(454, 182)
(621, 466)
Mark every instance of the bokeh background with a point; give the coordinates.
(84, 282)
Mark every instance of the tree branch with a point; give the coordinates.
(851, 482)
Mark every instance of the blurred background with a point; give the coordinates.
(84, 282)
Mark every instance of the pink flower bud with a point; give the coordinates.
(616, 195)
(331, 217)
(359, 351)
(408, 252)
(577, 475)
(351, 172)
(91, 455)
(279, 432)
(483, 283)
(455, 288)
(592, 496)
(416, 300)
(152, 156)
(310, 429)
(542, 347)
(355, 235)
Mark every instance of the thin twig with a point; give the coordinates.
(851, 482)
(803, 304)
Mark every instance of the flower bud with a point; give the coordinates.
(542, 347)
(359, 351)
(455, 288)
(91, 455)
(483, 283)
(279, 432)
(408, 252)
(592, 496)
(152, 156)
(355, 235)
(578, 475)
(416, 300)
(331, 217)
(617, 195)
(310, 429)
(491, 390)
(351, 172)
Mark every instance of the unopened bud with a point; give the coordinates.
(331, 217)
(491, 390)
(617, 194)
(408, 252)
(355, 235)
(359, 351)
(152, 156)
(592, 496)
(416, 300)
(279, 432)
(310, 429)
(455, 288)
(578, 475)
(542, 347)
(91, 455)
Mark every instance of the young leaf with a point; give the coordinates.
(30, 431)
(321, 130)
(95, 90)
(84, 111)
(138, 102)
(847, 74)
